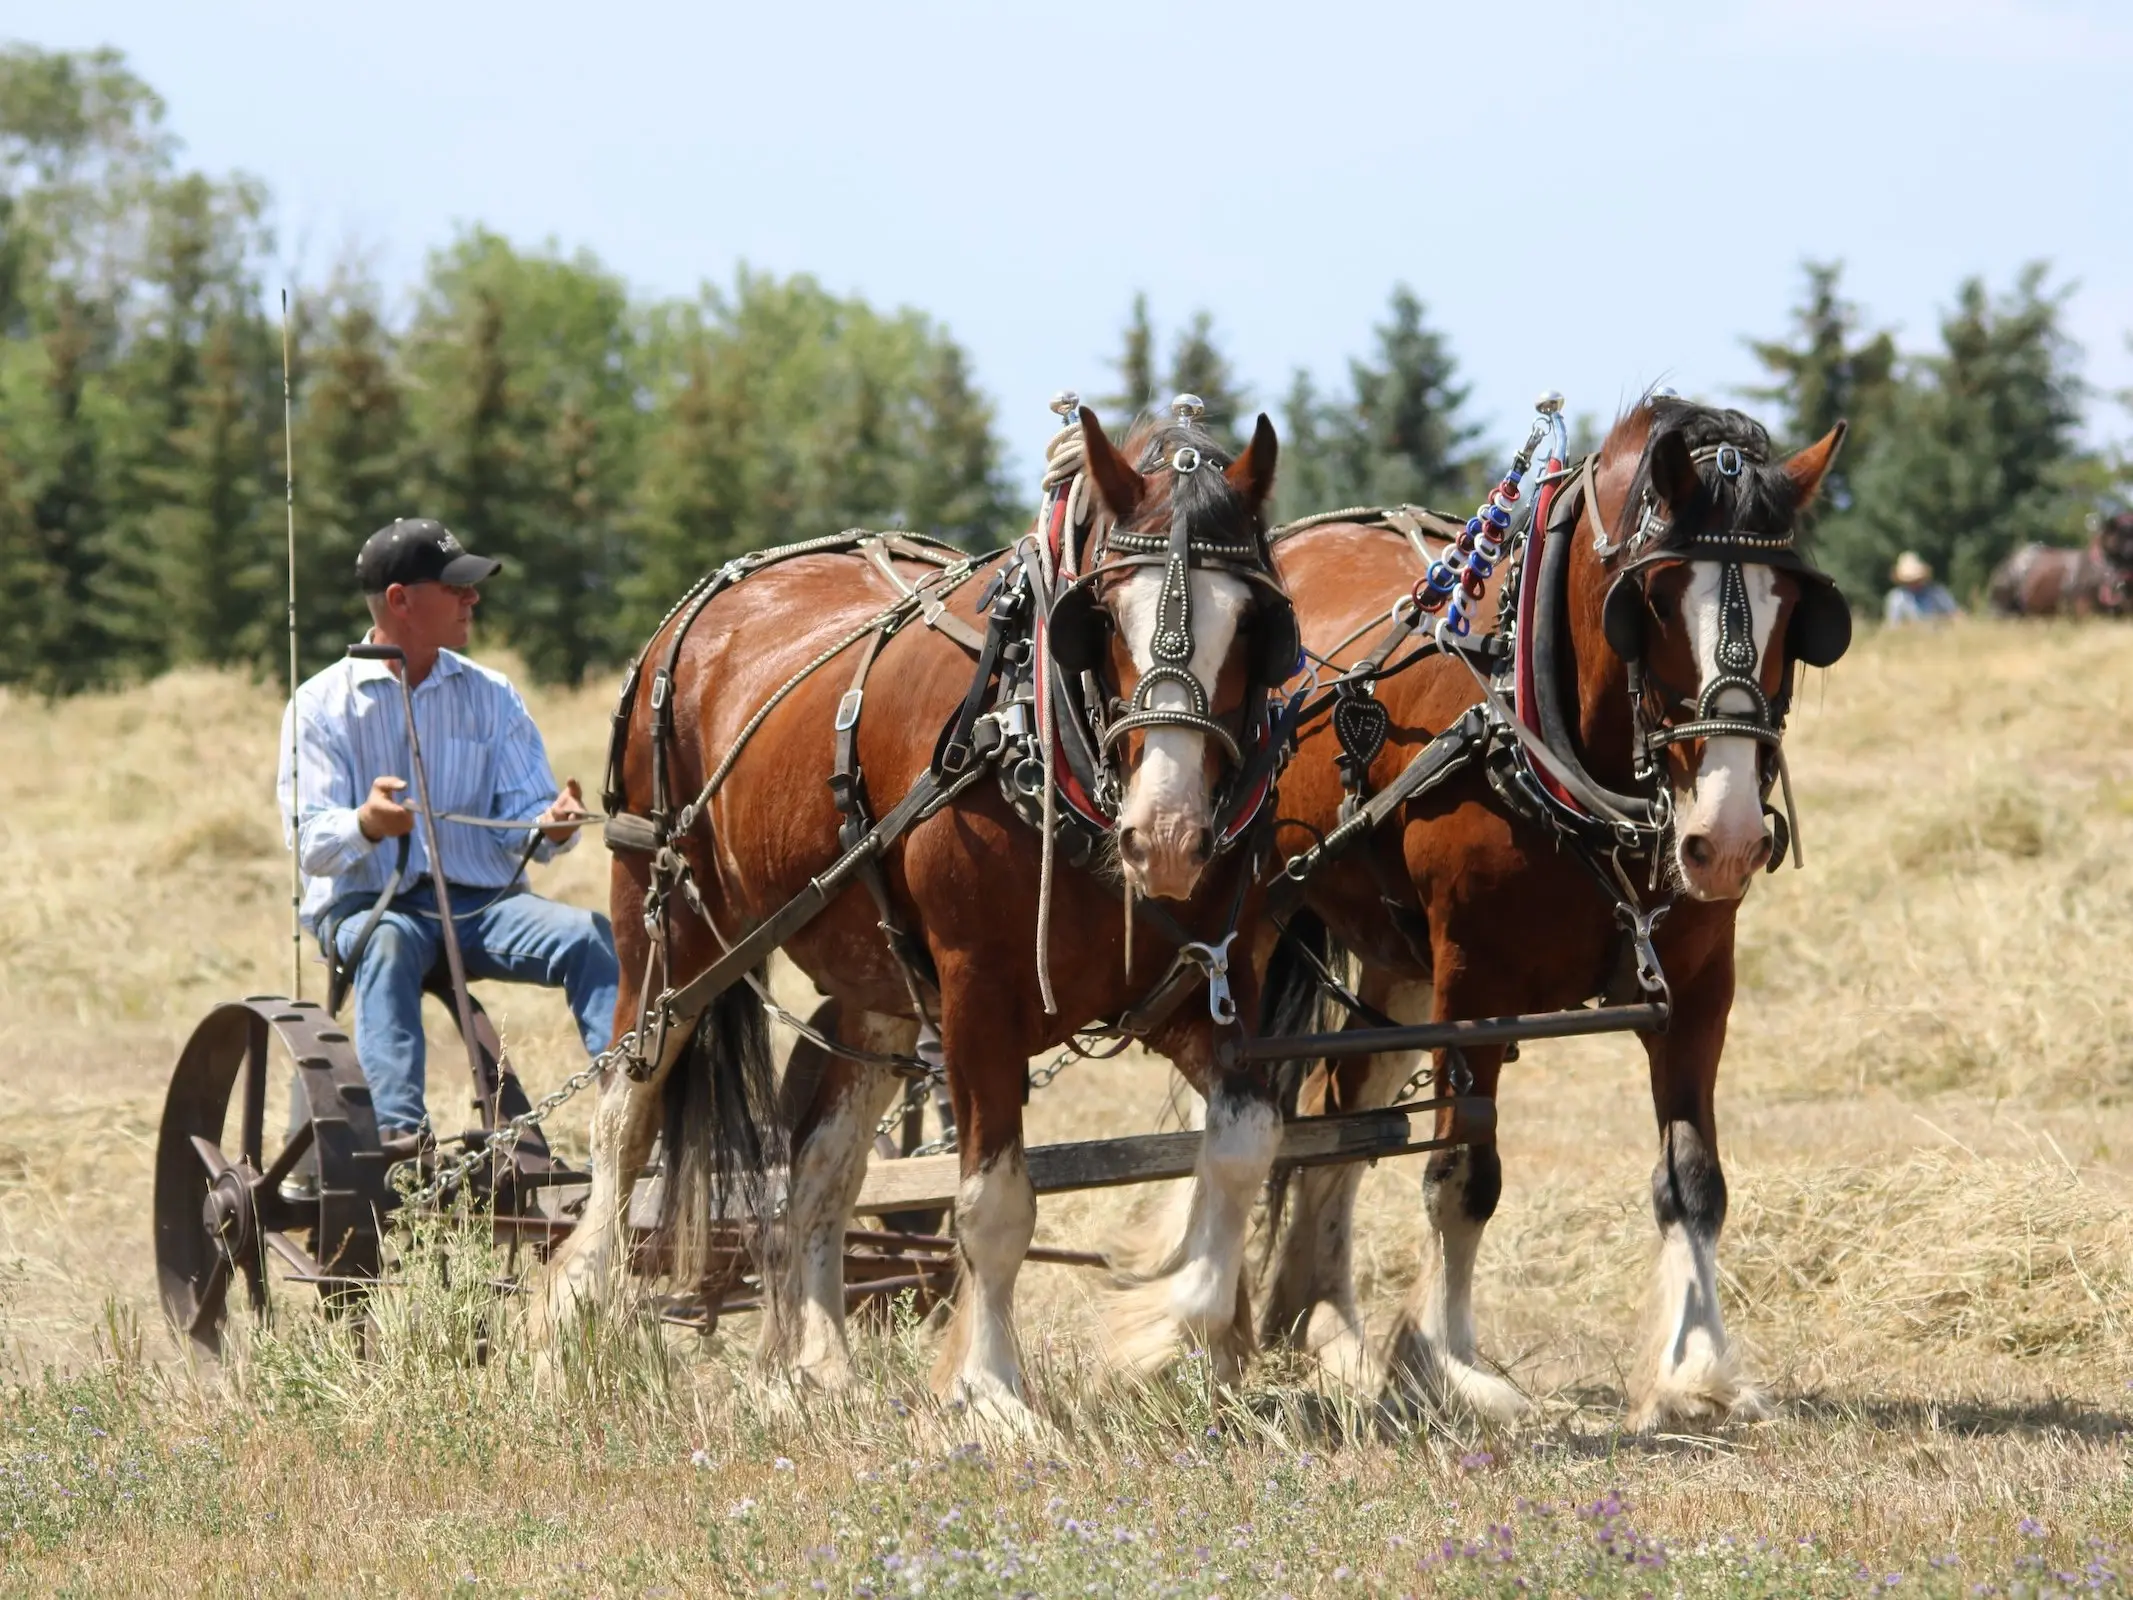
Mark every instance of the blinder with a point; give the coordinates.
(1818, 633)
(1276, 641)
(1077, 630)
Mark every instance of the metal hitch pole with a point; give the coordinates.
(460, 1000)
(1650, 1018)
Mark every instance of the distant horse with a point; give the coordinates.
(2041, 580)
(1661, 610)
(1155, 630)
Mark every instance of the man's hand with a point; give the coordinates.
(382, 816)
(569, 802)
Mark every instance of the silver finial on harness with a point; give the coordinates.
(1550, 404)
(1065, 403)
(1666, 391)
(1188, 407)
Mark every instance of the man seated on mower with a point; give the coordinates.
(369, 896)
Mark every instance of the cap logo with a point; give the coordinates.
(450, 545)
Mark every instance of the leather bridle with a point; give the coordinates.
(1817, 634)
(1077, 618)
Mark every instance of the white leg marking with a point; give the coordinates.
(1310, 1296)
(826, 1174)
(1196, 1298)
(1433, 1342)
(583, 1273)
(1687, 1371)
(995, 1218)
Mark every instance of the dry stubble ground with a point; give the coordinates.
(1929, 1259)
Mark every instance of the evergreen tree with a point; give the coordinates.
(1310, 479)
(210, 554)
(684, 519)
(1408, 442)
(1833, 372)
(1401, 438)
(32, 607)
(59, 454)
(172, 470)
(1135, 368)
(351, 460)
(525, 412)
(1198, 366)
(956, 487)
(786, 413)
(1981, 453)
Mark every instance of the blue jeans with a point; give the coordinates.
(521, 938)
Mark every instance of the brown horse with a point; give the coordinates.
(2041, 580)
(1495, 891)
(1166, 600)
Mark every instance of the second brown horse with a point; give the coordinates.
(1466, 904)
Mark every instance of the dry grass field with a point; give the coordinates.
(1927, 1109)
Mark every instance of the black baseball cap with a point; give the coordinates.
(418, 550)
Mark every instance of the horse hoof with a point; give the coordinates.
(999, 1411)
(1698, 1405)
(1425, 1373)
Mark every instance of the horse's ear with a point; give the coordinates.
(1119, 485)
(1252, 474)
(1808, 468)
(1673, 473)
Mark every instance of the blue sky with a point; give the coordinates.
(1588, 196)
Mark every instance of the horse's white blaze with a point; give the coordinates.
(1687, 1371)
(1169, 801)
(1724, 805)
(995, 1218)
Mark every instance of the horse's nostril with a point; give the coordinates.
(1760, 854)
(1203, 845)
(1130, 846)
(1697, 847)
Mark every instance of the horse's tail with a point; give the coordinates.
(1292, 1000)
(724, 1139)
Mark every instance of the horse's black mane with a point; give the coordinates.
(1762, 499)
(1213, 507)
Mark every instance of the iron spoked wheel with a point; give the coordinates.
(219, 1207)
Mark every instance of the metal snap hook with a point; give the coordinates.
(1214, 958)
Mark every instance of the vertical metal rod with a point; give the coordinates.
(460, 1000)
(296, 787)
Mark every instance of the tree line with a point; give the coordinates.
(1963, 451)
(611, 447)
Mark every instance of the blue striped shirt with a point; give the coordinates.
(483, 754)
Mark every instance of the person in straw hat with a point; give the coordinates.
(1916, 597)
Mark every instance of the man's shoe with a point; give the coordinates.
(406, 1144)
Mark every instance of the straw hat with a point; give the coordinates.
(1911, 568)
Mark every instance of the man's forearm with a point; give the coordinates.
(332, 841)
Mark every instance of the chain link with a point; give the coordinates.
(915, 1086)
(505, 1139)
